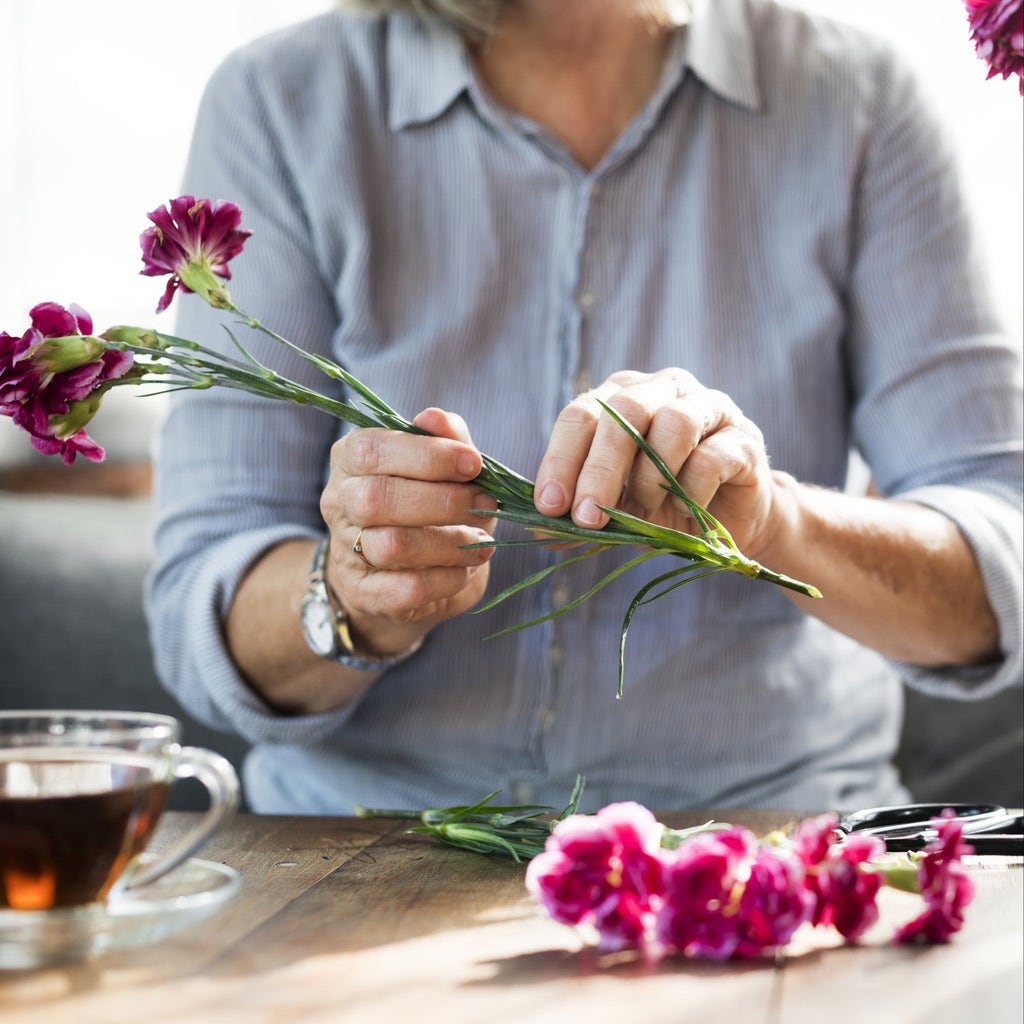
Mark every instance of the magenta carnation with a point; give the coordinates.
(997, 28)
(945, 886)
(602, 870)
(53, 377)
(844, 890)
(774, 903)
(193, 240)
(703, 884)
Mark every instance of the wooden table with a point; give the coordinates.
(353, 921)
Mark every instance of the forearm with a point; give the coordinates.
(265, 638)
(896, 576)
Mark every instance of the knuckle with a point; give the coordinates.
(364, 452)
(624, 378)
(390, 546)
(678, 420)
(630, 408)
(411, 591)
(368, 498)
(582, 411)
(683, 379)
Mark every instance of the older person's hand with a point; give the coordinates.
(716, 453)
(400, 507)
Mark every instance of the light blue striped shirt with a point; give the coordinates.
(781, 220)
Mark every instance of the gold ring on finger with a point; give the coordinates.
(357, 550)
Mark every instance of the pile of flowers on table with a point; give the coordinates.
(719, 893)
(715, 891)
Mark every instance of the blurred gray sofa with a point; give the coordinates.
(72, 634)
(72, 631)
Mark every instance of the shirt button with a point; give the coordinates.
(587, 300)
(556, 656)
(560, 596)
(523, 793)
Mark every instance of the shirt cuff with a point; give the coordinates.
(993, 528)
(210, 684)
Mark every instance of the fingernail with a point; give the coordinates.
(587, 513)
(467, 464)
(551, 496)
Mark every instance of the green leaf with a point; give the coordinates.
(577, 601)
(536, 577)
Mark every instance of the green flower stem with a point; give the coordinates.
(181, 363)
(518, 831)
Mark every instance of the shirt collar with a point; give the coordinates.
(720, 50)
(428, 67)
(427, 70)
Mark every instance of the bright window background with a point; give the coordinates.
(98, 101)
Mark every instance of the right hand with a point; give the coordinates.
(411, 496)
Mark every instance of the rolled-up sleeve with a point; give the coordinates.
(237, 474)
(936, 378)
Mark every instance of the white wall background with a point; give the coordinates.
(97, 102)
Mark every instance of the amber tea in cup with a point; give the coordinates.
(81, 794)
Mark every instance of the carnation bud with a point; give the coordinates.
(58, 355)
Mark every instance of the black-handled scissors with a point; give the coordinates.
(989, 828)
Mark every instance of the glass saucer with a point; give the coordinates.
(44, 938)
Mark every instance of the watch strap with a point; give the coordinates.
(344, 652)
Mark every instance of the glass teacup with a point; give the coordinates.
(81, 794)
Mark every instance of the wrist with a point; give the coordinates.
(781, 537)
(374, 637)
(329, 632)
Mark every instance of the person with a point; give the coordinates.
(737, 224)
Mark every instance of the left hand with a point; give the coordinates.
(716, 453)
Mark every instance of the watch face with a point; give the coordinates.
(318, 625)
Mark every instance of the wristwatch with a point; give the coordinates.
(325, 624)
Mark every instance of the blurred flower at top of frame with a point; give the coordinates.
(53, 378)
(193, 241)
(997, 28)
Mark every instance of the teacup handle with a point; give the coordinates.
(218, 776)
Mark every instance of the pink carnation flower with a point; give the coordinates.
(53, 378)
(726, 896)
(945, 886)
(774, 903)
(193, 240)
(603, 870)
(845, 894)
(702, 886)
(997, 28)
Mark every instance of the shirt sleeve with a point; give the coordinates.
(237, 474)
(935, 377)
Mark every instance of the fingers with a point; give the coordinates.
(390, 549)
(699, 433)
(449, 455)
(402, 510)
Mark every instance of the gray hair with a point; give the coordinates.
(473, 18)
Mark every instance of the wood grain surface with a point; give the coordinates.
(347, 920)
